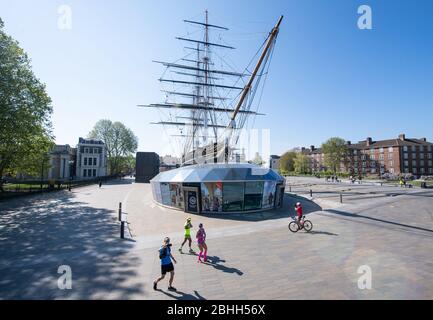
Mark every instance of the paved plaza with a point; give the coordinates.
(251, 256)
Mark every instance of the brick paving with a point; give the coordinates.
(250, 257)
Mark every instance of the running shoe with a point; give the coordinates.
(180, 250)
(155, 286)
(171, 288)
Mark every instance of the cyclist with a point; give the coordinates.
(187, 227)
(299, 213)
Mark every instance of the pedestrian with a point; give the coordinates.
(166, 264)
(187, 227)
(100, 183)
(201, 241)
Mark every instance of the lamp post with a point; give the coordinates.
(71, 163)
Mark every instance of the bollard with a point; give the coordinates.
(290, 189)
(341, 198)
(311, 193)
(122, 230)
(120, 211)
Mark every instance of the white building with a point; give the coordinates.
(274, 162)
(62, 162)
(91, 159)
(170, 160)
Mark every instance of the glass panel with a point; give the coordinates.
(253, 195)
(269, 194)
(211, 193)
(165, 194)
(176, 196)
(233, 197)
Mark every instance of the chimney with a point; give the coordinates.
(349, 143)
(312, 148)
(369, 141)
(424, 139)
(402, 137)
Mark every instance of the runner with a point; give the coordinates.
(201, 241)
(187, 227)
(166, 264)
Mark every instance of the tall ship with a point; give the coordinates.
(207, 103)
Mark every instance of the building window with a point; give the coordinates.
(391, 170)
(85, 161)
(391, 163)
(430, 170)
(373, 157)
(421, 155)
(406, 163)
(233, 197)
(406, 156)
(85, 173)
(430, 163)
(253, 195)
(414, 170)
(390, 149)
(421, 163)
(381, 157)
(381, 150)
(94, 172)
(413, 155)
(422, 170)
(429, 148)
(413, 163)
(405, 148)
(406, 170)
(86, 150)
(373, 170)
(429, 155)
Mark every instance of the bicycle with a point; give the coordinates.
(295, 225)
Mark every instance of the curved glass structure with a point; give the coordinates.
(219, 188)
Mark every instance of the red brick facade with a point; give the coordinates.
(394, 156)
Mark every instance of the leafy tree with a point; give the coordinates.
(127, 164)
(301, 164)
(258, 159)
(25, 110)
(287, 161)
(336, 153)
(119, 140)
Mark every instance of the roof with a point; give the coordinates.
(390, 143)
(218, 172)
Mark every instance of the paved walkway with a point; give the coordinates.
(251, 256)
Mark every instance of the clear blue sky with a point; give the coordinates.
(328, 78)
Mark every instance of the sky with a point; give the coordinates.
(327, 77)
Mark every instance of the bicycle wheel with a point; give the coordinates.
(293, 226)
(308, 225)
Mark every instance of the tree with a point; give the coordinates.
(119, 140)
(287, 161)
(258, 159)
(336, 153)
(25, 110)
(301, 164)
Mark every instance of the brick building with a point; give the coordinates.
(394, 156)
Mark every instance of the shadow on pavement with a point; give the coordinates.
(286, 211)
(322, 232)
(42, 233)
(355, 215)
(214, 262)
(182, 296)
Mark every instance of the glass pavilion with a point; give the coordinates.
(219, 188)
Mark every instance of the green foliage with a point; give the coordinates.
(336, 153)
(258, 159)
(287, 161)
(25, 110)
(301, 164)
(119, 140)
